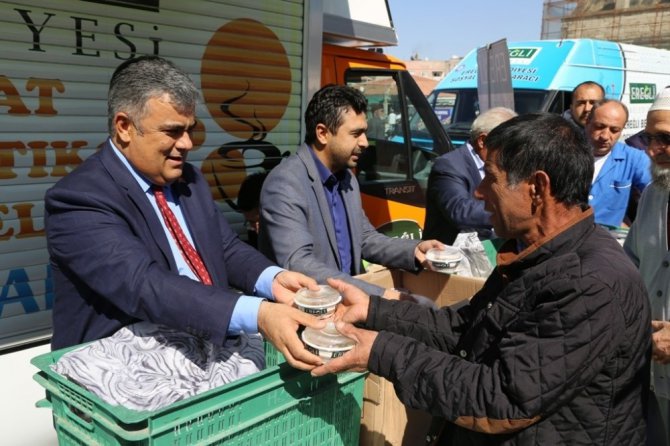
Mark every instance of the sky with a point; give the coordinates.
(440, 29)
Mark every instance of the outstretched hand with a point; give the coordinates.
(354, 305)
(286, 283)
(279, 325)
(423, 247)
(357, 358)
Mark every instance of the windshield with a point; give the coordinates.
(456, 109)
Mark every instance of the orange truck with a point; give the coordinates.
(257, 63)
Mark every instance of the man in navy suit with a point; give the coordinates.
(116, 261)
(450, 205)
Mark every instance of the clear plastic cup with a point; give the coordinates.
(320, 303)
(327, 343)
(445, 260)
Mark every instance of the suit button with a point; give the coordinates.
(489, 305)
(463, 353)
(665, 263)
(659, 293)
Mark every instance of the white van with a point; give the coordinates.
(544, 73)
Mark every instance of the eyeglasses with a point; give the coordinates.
(662, 139)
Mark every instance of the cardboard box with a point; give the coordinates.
(385, 420)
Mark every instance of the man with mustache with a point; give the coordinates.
(311, 215)
(554, 349)
(134, 235)
(618, 168)
(584, 97)
(648, 244)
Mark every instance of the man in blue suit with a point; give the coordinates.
(450, 205)
(116, 260)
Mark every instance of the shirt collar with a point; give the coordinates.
(478, 161)
(327, 177)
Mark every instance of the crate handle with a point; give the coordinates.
(44, 404)
(72, 412)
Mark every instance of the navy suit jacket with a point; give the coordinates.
(450, 203)
(112, 264)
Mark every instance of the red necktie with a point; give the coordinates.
(187, 250)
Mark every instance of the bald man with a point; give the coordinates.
(618, 168)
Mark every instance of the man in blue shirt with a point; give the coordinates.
(312, 220)
(618, 168)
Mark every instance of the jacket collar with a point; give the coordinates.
(563, 240)
(120, 174)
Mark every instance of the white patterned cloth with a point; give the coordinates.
(145, 366)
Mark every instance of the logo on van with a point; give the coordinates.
(642, 93)
(522, 56)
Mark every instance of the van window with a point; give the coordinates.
(444, 106)
(387, 158)
(456, 109)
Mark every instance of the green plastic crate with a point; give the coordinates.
(279, 406)
(273, 356)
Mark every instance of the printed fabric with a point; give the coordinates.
(145, 366)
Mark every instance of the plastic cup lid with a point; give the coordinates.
(324, 297)
(448, 254)
(327, 339)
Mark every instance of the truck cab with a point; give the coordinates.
(393, 170)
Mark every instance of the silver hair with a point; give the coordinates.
(489, 120)
(137, 80)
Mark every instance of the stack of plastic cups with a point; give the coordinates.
(327, 343)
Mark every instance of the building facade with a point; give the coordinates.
(639, 22)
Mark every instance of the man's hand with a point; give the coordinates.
(286, 283)
(279, 324)
(423, 247)
(660, 342)
(354, 305)
(357, 358)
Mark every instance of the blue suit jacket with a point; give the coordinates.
(297, 229)
(450, 203)
(112, 264)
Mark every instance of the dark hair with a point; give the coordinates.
(327, 107)
(597, 105)
(590, 84)
(249, 195)
(545, 141)
(137, 80)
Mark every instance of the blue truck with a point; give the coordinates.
(544, 73)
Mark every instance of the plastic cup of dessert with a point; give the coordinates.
(321, 302)
(327, 343)
(444, 260)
